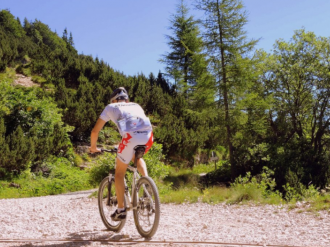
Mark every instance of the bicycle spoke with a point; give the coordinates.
(108, 205)
(147, 213)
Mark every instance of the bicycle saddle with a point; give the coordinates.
(139, 151)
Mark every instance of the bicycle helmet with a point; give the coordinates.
(119, 94)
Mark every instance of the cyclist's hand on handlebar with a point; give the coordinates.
(94, 150)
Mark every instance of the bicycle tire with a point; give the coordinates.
(107, 210)
(143, 208)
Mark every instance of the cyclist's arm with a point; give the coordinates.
(95, 134)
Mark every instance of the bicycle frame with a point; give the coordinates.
(143, 199)
(138, 154)
(129, 197)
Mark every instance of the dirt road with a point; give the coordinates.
(75, 217)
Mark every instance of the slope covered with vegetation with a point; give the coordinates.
(255, 110)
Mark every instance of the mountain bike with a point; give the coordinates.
(143, 199)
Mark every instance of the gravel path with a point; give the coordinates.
(75, 216)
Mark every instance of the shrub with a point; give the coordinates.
(31, 128)
(155, 165)
(259, 188)
(106, 162)
(109, 136)
(103, 164)
(62, 177)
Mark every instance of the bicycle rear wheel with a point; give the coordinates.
(147, 204)
(107, 201)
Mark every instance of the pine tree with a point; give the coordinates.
(227, 47)
(71, 40)
(27, 27)
(65, 35)
(185, 45)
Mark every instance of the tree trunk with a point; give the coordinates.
(225, 98)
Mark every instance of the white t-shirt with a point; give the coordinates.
(128, 117)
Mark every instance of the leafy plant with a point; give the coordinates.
(101, 166)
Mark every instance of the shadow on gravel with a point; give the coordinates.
(88, 238)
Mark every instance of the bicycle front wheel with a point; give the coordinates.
(147, 207)
(107, 201)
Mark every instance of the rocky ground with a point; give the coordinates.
(24, 81)
(75, 217)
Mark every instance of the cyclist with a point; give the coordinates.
(135, 129)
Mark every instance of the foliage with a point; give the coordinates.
(182, 179)
(184, 195)
(185, 61)
(109, 136)
(62, 177)
(155, 165)
(263, 110)
(102, 165)
(31, 129)
(297, 77)
(230, 65)
(255, 188)
(105, 163)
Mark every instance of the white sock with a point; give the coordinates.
(120, 209)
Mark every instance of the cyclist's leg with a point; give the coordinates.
(141, 166)
(124, 155)
(146, 138)
(121, 168)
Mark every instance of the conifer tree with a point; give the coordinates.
(185, 45)
(71, 39)
(65, 35)
(27, 27)
(227, 47)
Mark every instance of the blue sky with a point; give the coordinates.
(129, 35)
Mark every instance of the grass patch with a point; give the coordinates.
(320, 202)
(215, 195)
(24, 69)
(184, 195)
(38, 79)
(186, 186)
(186, 177)
(203, 168)
(8, 75)
(180, 186)
(182, 180)
(218, 194)
(63, 177)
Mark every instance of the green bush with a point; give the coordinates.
(109, 136)
(102, 165)
(62, 177)
(259, 188)
(24, 69)
(31, 128)
(38, 79)
(106, 162)
(155, 165)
